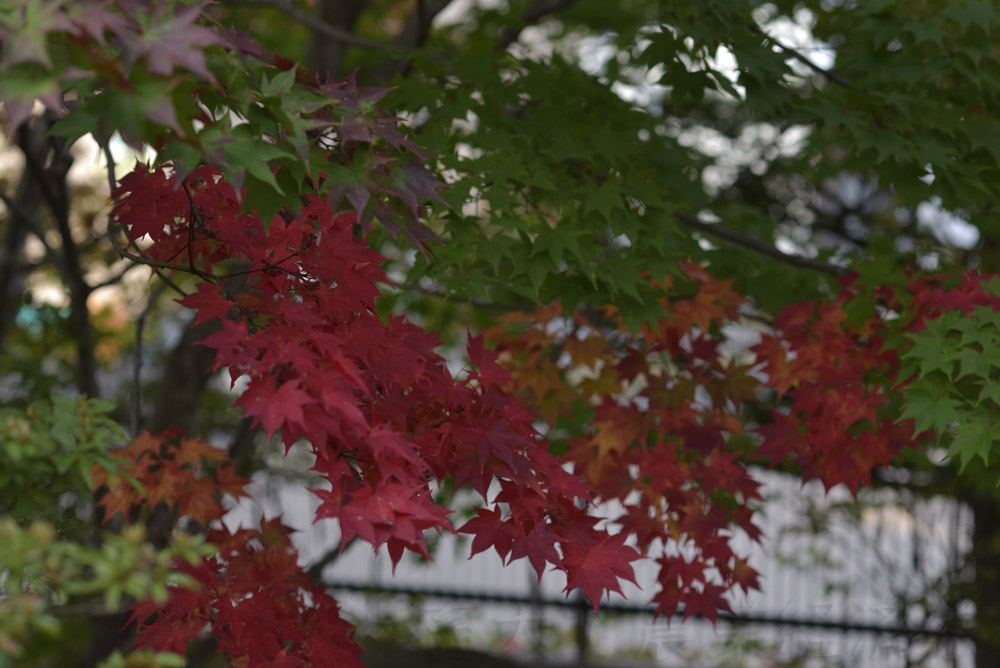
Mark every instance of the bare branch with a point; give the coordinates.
(315, 570)
(412, 37)
(26, 219)
(140, 324)
(760, 246)
(797, 55)
(318, 25)
(52, 182)
(479, 303)
(170, 284)
(418, 23)
(116, 278)
(538, 10)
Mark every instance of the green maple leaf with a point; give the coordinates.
(931, 350)
(556, 241)
(929, 409)
(972, 13)
(974, 437)
(604, 199)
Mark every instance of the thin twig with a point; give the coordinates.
(53, 187)
(170, 284)
(110, 171)
(412, 37)
(315, 570)
(140, 324)
(797, 55)
(20, 214)
(320, 26)
(123, 252)
(117, 277)
(457, 299)
(760, 246)
(538, 9)
(195, 217)
(155, 263)
(273, 265)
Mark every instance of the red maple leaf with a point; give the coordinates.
(597, 568)
(490, 530)
(208, 303)
(706, 603)
(151, 205)
(274, 407)
(485, 360)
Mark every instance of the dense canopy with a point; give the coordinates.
(570, 255)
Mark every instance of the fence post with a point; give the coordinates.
(537, 608)
(582, 629)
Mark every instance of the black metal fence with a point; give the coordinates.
(905, 640)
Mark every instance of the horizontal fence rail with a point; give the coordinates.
(745, 618)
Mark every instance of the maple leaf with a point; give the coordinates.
(275, 533)
(242, 43)
(496, 440)
(227, 482)
(172, 39)
(782, 374)
(274, 407)
(781, 438)
(94, 21)
(745, 575)
(612, 438)
(387, 445)
(598, 568)
(207, 302)
(485, 360)
(680, 570)
(25, 36)
(151, 204)
(696, 271)
(388, 510)
(119, 497)
(200, 502)
(194, 450)
(490, 530)
(539, 546)
(706, 603)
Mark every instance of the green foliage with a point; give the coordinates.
(55, 565)
(47, 452)
(580, 166)
(956, 379)
(47, 578)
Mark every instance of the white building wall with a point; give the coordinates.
(888, 550)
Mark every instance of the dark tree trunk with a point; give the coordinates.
(324, 54)
(986, 559)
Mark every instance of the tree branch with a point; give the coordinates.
(418, 24)
(537, 10)
(315, 570)
(123, 252)
(116, 278)
(457, 299)
(140, 324)
(25, 219)
(15, 234)
(52, 183)
(760, 246)
(240, 448)
(412, 37)
(318, 25)
(797, 55)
